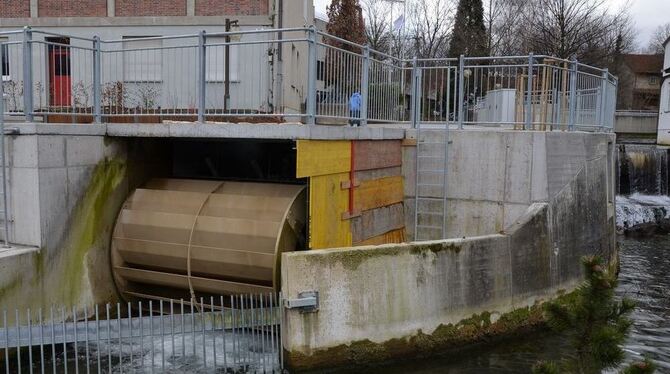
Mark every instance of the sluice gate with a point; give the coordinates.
(175, 238)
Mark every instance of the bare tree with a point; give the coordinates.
(566, 28)
(660, 36)
(378, 31)
(504, 22)
(429, 26)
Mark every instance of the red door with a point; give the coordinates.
(60, 89)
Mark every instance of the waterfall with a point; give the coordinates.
(643, 169)
(643, 200)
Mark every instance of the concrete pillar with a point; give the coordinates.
(190, 8)
(33, 8)
(111, 8)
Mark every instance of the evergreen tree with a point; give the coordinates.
(469, 35)
(345, 20)
(596, 324)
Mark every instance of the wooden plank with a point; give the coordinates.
(377, 154)
(327, 202)
(395, 236)
(378, 193)
(322, 157)
(366, 175)
(377, 222)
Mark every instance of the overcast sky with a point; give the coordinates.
(647, 14)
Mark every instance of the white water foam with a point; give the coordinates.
(638, 209)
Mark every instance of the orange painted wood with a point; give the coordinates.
(378, 193)
(377, 154)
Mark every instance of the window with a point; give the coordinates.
(653, 80)
(216, 60)
(667, 96)
(5, 59)
(142, 59)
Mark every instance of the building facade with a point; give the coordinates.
(158, 73)
(664, 108)
(639, 82)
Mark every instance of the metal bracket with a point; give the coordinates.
(307, 302)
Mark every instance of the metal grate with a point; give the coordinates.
(228, 334)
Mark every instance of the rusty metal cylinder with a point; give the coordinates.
(174, 236)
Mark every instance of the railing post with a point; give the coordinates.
(202, 75)
(311, 76)
(461, 91)
(97, 86)
(603, 99)
(27, 74)
(415, 102)
(529, 94)
(5, 211)
(364, 85)
(573, 95)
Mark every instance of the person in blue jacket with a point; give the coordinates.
(355, 109)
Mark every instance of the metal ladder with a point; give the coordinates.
(430, 217)
(431, 165)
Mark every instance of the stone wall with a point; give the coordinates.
(72, 8)
(132, 8)
(14, 8)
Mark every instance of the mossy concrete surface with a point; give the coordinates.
(66, 273)
(376, 303)
(66, 207)
(477, 329)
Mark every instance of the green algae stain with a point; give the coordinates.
(88, 223)
(447, 337)
(351, 259)
(11, 287)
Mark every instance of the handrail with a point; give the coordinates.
(170, 80)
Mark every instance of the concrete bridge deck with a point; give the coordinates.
(214, 130)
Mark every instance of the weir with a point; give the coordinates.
(643, 201)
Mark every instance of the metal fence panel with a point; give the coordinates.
(219, 334)
(277, 75)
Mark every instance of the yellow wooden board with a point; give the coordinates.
(378, 193)
(322, 157)
(395, 236)
(327, 202)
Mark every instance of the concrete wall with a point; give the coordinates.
(633, 122)
(493, 176)
(66, 184)
(663, 136)
(388, 301)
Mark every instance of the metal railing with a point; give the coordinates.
(296, 74)
(229, 334)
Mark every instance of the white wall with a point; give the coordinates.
(664, 107)
(169, 82)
